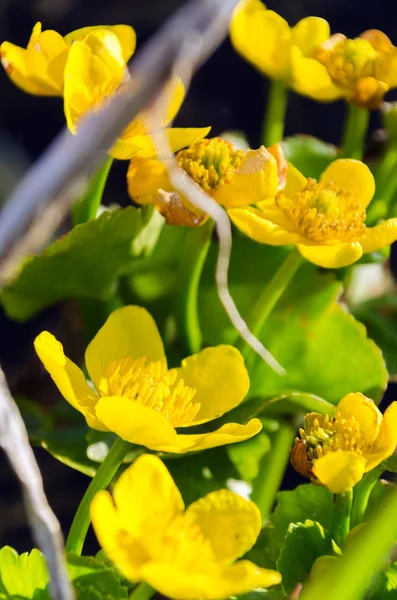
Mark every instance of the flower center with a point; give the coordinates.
(324, 213)
(349, 60)
(210, 162)
(154, 386)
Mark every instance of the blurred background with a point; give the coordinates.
(227, 93)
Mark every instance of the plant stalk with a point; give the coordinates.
(143, 591)
(355, 131)
(362, 492)
(272, 468)
(276, 109)
(340, 525)
(87, 207)
(103, 477)
(191, 267)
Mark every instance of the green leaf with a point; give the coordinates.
(21, 575)
(85, 263)
(386, 585)
(246, 456)
(308, 154)
(325, 351)
(380, 317)
(304, 543)
(95, 579)
(307, 500)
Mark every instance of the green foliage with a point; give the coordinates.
(308, 154)
(325, 351)
(386, 585)
(246, 456)
(86, 263)
(21, 575)
(95, 579)
(303, 544)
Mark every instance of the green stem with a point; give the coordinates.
(386, 167)
(87, 207)
(273, 126)
(143, 591)
(362, 492)
(272, 468)
(269, 297)
(103, 477)
(340, 525)
(192, 263)
(356, 125)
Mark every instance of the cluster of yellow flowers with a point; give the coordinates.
(189, 554)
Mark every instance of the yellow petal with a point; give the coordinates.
(146, 494)
(379, 236)
(142, 145)
(125, 33)
(311, 78)
(145, 176)
(353, 176)
(68, 378)
(215, 584)
(227, 434)
(220, 378)
(386, 442)
(88, 81)
(109, 530)
(309, 33)
(332, 257)
(50, 43)
(129, 331)
(106, 46)
(365, 411)
(262, 37)
(255, 180)
(27, 73)
(135, 423)
(295, 181)
(252, 222)
(230, 523)
(339, 471)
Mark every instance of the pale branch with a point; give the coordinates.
(44, 524)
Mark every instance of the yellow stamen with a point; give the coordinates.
(153, 386)
(210, 162)
(349, 60)
(324, 213)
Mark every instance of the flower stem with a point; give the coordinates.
(340, 525)
(272, 468)
(270, 295)
(103, 477)
(87, 207)
(362, 492)
(143, 591)
(356, 125)
(273, 126)
(192, 263)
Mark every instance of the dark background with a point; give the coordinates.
(227, 93)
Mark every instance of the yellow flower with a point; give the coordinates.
(337, 450)
(138, 397)
(183, 554)
(282, 52)
(362, 70)
(95, 71)
(326, 220)
(232, 177)
(39, 69)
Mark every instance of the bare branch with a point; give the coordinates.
(45, 526)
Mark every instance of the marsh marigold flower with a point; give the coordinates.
(325, 219)
(184, 554)
(232, 177)
(39, 68)
(87, 67)
(282, 52)
(138, 397)
(361, 70)
(337, 450)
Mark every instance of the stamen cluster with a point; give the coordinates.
(154, 386)
(324, 213)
